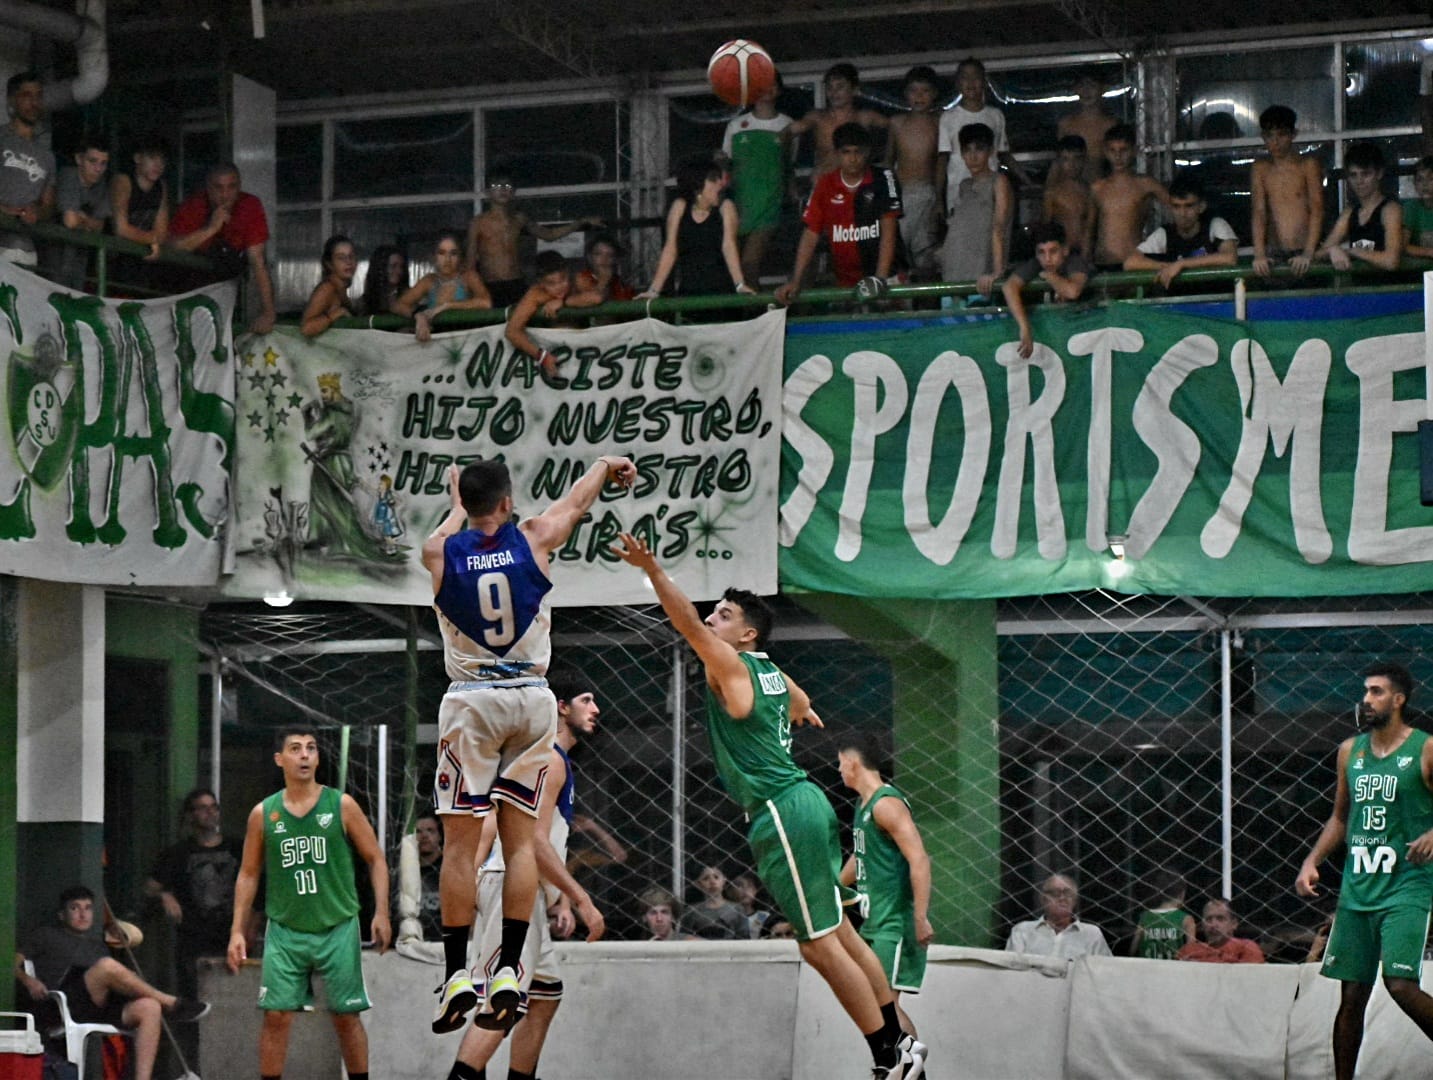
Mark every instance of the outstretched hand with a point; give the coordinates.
(810, 719)
(635, 552)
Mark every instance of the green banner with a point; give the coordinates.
(1222, 458)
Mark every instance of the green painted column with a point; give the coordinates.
(8, 806)
(947, 757)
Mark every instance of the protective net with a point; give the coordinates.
(1112, 736)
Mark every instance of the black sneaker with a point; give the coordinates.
(187, 1011)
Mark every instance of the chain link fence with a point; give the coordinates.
(1135, 733)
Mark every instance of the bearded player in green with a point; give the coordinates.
(1383, 811)
(793, 833)
(890, 871)
(299, 838)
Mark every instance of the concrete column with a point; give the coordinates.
(947, 754)
(59, 757)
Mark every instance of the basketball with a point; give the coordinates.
(740, 72)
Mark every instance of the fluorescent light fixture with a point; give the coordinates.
(1117, 547)
(278, 599)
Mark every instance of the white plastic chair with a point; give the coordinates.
(76, 1034)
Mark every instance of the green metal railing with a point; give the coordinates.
(104, 246)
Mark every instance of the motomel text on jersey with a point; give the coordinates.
(845, 234)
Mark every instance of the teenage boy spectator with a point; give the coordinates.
(228, 224)
(971, 109)
(27, 169)
(1089, 122)
(715, 918)
(1288, 197)
(1066, 274)
(1418, 212)
(760, 159)
(492, 247)
(659, 914)
(1122, 200)
(1192, 238)
(415, 896)
(140, 203)
(842, 84)
(1067, 199)
(911, 150)
(1220, 946)
(550, 294)
(979, 227)
(856, 208)
(82, 199)
(1371, 230)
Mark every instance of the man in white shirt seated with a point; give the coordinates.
(1059, 932)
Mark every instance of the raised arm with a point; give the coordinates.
(894, 817)
(246, 887)
(454, 523)
(1331, 837)
(549, 530)
(365, 843)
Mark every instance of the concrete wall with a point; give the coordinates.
(713, 1011)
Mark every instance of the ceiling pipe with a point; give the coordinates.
(85, 30)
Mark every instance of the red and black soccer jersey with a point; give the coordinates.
(851, 219)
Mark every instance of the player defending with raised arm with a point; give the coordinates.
(299, 839)
(889, 869)
(794, 837)
(498, 719)
(1383, 812)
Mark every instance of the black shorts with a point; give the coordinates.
(83, 1010)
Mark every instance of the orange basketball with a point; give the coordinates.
(740, 72)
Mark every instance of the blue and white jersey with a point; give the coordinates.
(493, 608)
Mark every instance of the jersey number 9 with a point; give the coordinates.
(495, 604)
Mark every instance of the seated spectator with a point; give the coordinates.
(716, 918)
(82, 200)
(1192, 238)
(779, 930)
(1054, 263)
(1059, 931)
(140, 204)
(448, 288)
(1166, 926)
(857, 210)
(700, 242)
(420, 863)
(600, 275)
(228, 224)
(745, 890)
(492, 247)
(1220, 946)
(70, 957)
(659, 913)
(1418, 212)
(551, 293)
(330, 300)
(1371, 229)
(386, 280)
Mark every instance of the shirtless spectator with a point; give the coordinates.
(1068, 200)
(1123, 200)
(970, 109)
(549, 294)
(1090, 122)
(493, 238)
(911, 152)
(1371, 229)
(1288, 194)
(843, 84)
(228, 224)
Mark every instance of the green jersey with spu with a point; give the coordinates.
(1389, 807)
(308, 867)
(883, 876)
(753, 754)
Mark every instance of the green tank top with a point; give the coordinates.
(882, 874)
(1389, 808)
(308, 867)
(753, 755)
(1163, 933)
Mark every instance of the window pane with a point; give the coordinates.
(1381, 83)
(1225, 176)
(551, 145)
(403, 155)
(695, 124)
(1222, 95)
(300, 164)
(297, 251)
(1034, 100)
(414, 229)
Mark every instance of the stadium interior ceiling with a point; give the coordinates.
(323, 48)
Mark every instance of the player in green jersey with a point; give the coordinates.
(793, 833)
(1383, 813)
(299, 838)
(890, 870)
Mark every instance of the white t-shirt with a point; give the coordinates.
(1157, 242)
(951, 121)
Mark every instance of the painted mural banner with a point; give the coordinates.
(1222, 458)
(345, 442)
(118, 434)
